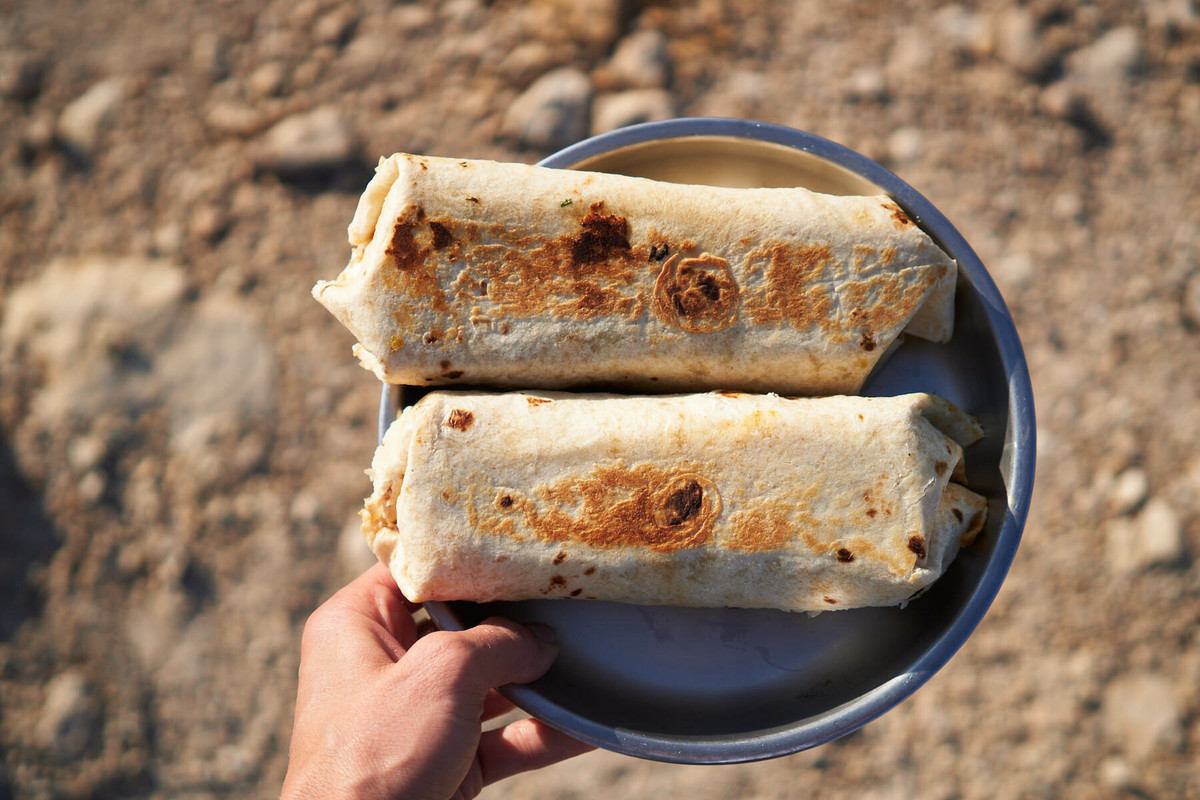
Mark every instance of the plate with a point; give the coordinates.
(708, 685)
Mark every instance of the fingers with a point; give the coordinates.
(495, 705)
(522, 746)
(494, 653)
(368, 623)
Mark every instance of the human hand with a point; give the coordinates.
(383, 714)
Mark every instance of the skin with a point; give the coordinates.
(381, 713)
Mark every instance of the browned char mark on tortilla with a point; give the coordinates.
(899, 218)
(796, 287)
(600, 237)
(916, 543)
(460, 419)
(615, 505)
(698, 295)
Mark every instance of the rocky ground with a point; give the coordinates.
(182, 432)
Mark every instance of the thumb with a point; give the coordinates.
(495, 652)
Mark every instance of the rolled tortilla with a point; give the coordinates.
(509, 275)
(718, 499)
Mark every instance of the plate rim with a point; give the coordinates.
(1019, 452)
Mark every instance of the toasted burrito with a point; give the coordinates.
(510, 275)
(717, 499)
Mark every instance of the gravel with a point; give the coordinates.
(183, 432)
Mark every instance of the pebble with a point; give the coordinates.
(1112, 58)
(1153, 538)
(267, 79)
(1013, 269)
(640, 61)
(1116, 773)
(208, 222)
(210, 55)
(552, 113)
(87, 451)
(963, 28)
(76, 318)
(867, 84)
(92, 485)
(218, 369)
(525, 61)
(1068, 206)
(21, 75)
(307, 143)
(1128, 491)
(1141, 715)
(335, 27)
(1063, 100)
(905, 145)
(68, 725)
(234, 117)
(1191, 299)
(1173, 15)
(1018, 42)
(82, 123)
(612, 111)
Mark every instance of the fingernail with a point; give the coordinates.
(543, 632)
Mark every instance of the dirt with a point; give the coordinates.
(183, 433)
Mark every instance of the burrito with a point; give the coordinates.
(716, 499)
(514, 276)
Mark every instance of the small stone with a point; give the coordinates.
(38, 133)
(905, 145)
(1068, 206)
(306, 506)
(335, 27)
(612, 111)
(1173, 15)
(640, 61)
(964, 28)
(234, 117)
(1191, 299)
(1116, 773)
(867, 84)
(85, 119)
(208, 223)
(92, 486)
(1141, 715)
(267, 79)
(1013, 269)
(1153, 538)
(1018, 41)
(411, 17)
(1112, 58)
(21, 75)
(307, 143)
(69, 724)
(167, 239)
(1063, 100)
(210, 55)
(85, 452)
(525, 61)
(1129, 491)
(461, 13)
(1160, 533)
(552, 113)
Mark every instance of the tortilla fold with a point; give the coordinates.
(717, 499)
(515, 276)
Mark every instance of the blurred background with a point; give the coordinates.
(183, 431)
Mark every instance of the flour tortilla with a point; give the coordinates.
(718, 499)
(508, 275)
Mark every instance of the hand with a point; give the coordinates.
(383, 714)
